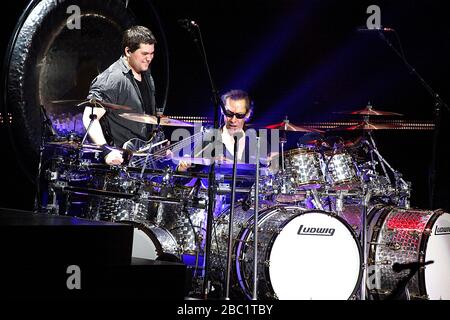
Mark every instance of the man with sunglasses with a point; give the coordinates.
(237, 109)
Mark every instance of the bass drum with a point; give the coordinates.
(153, 242)
(410, 236)
(302, 255)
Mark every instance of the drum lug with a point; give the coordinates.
(394, 246)
(427, 231)
(382, 262)
(414, 233)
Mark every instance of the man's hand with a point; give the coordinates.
(114, 158)
(183, 166)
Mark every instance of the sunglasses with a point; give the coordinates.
(230, 114)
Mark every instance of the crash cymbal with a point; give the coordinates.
(92, 103)
(149, 119)
(291, 127)
(369, 126)
(370, 111)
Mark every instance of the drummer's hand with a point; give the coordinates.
(114, 158)
(169, 153)
(183, 166)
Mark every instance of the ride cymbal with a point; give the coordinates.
(291, 127)
(93, 103)
(149, 119)
(370, 111)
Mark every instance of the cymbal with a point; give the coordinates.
(87, 148)
(369, 126)
(149, 119)
(370, 111)
(93, 103)
(291, 127)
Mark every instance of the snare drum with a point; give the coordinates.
(302, 254)
(410, 236)
(303, 166)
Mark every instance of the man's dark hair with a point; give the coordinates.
(134, 36)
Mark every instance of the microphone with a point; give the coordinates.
(364, 29)
(187, 24)
(398, 267)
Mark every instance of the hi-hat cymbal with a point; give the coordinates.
(92, 103)
(149, 119)
(369, 126)
(370, 111)
(291, 127)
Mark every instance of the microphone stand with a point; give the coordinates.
(438, 103)
(255, 226)
(230, 222)
(212, 176)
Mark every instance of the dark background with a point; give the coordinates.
(302, 59)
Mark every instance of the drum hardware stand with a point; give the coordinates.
(92, 117)
(46, 123)
(383, 161)
(339, 203)
(255, 231)
(366, 195)
(230, 222)
(376, 151)
(283, 141)
(317, 202)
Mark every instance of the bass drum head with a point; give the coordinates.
(315, 256)
(437, 275)
(152, 242)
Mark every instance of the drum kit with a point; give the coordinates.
(333, 222)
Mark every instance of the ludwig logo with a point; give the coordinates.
(442, 230)
(315, 231)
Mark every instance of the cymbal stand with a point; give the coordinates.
(46, 123)
(93, 117)
(383, 161)
(230, 223)
(376, 151)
